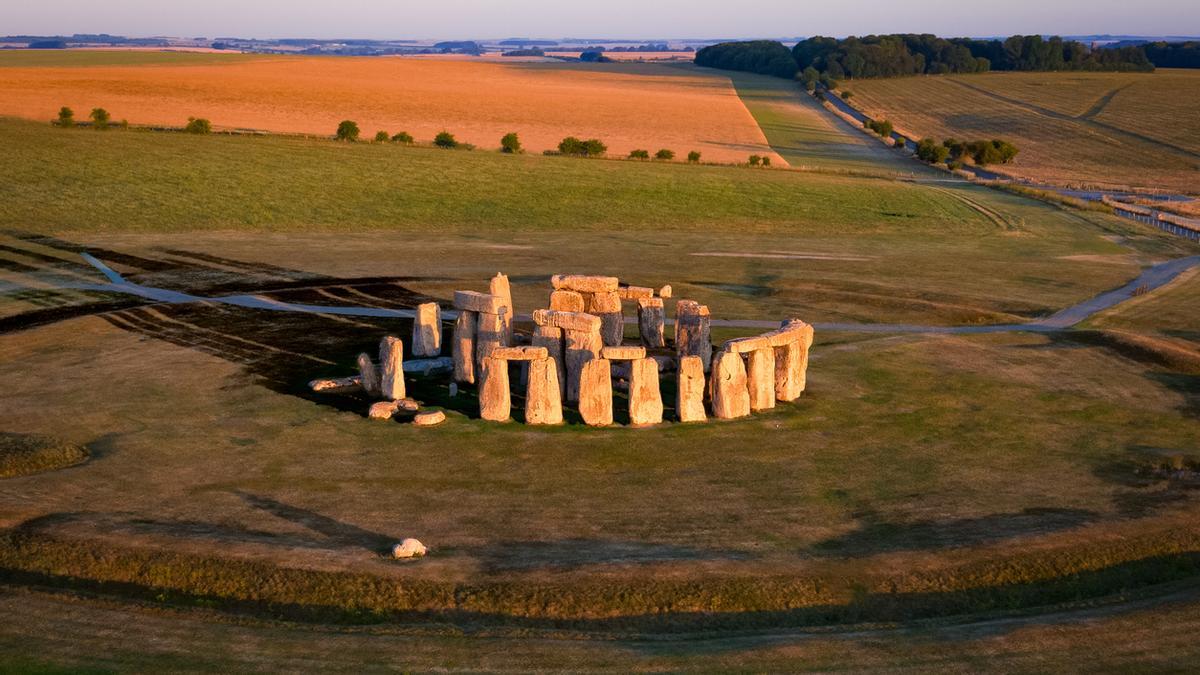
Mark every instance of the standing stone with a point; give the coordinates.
(500, 288)
(427, 331)
(730, 398)
(791, 365)
(543, 396)
(693, 326)
(760, 378)
(595, 393)
(368, 374)
(645, 399)
(566, 301)
(651, 321)
(464, 346)
(489, 337)
(682, 309)
(689, 398)
(495, 399)
(607, 306)
(579, 348)
(391, 368)
(552, 339)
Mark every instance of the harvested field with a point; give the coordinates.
(1100, 129)
(626, 105)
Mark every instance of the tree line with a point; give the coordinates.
(908, 54)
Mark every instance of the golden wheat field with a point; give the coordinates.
(628, 106)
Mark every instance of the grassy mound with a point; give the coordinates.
(25, 454)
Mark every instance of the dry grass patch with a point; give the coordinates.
(24, 454)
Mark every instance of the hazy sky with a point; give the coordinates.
(636, 19)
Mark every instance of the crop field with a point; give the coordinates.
(1092, 129)
(1014, 498)
(627, 106)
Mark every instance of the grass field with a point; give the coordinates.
(1101, 129)
(1170, 311)
(1014, 500)
(627, 105)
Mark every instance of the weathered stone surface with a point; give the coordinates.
(427, 330)
(623, 353)
(579, 347)
(543, 396)
(747, 344)
(566, 320)
(453, 389)
(500, 288)
(730, 397)
(651, 320)
(682, 309)
(596, 393)
(607, 306)
(407, 405)
(489, 337)
(409, 548)
(665, 291)
(584, 283)
(645, 398)
(567, 301)
(527, 353)
(473, 301)
(635, 292)
(693, 333)
(552, 339)
(760, 378)
(336, 384)
(463, 349)
(689, 398)
(791, 370)
(428, 366)
(368, 374)
(383, 410)
(791, 330)
(495, 397)
(429, 419)
(391, 368)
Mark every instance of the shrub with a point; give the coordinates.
(198, 125)
(846, 95)
(594, 147)
(884, 128)
(403, 137)
(639, 154)
(381, 137)
(347, 131)
(445, 139)
(590, 148)
(66, 117)
(900, 142)
(100, 118)
(123, 124)
(929, 150)
(510, 144)
(665, 154)
(766, 161)
(810, 77)
(755, 160)
(694, 157)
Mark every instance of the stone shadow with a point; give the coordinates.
(335, 531)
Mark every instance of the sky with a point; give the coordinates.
(615, 19)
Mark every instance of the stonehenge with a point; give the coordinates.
(575, 352)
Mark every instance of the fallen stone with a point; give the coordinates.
(383, 410)
(635, 292)
(368, 374)
(552, 339)
(495, 398)
(409, 548)
(336, 384)
(566, 301)
(689, 400)
(760, 378)
(566, 320)
(407, 405)
(500, 288)
(584, 283)
(463, 349)
(645, 398)
(520, 353)
(429, 419)
(651, 319)
(543, 396)
(427, 330)
(730, 397)
(483, 303)
(428, 366)
(665, 291)
(391, 368)
(623, 353)
(489, 337)
(595, 393)
(579, 347)
(453, 389)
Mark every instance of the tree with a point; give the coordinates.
(445, 139)
(766, 57)
(381, 137)
(755, 160)
(347, 131)
(510, 144)
(198, 125)
(100, 118)
(639, 154)
(810, 77)
(929, 150)
(766, 160)
(593, 147)
(694, 157)
(403, 137)
(665, 154)
(66, 117)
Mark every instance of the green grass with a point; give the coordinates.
(1169, 311)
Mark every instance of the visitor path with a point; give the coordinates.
(1150, 279)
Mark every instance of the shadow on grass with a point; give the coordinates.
(337, 532)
